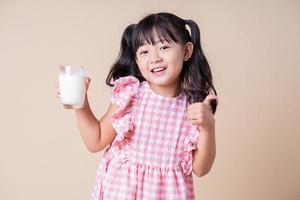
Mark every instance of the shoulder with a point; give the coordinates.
(125, 81)
(124, 88)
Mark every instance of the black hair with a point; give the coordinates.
(196, 77)
(125, 64)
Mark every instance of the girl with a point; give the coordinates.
(159, 126)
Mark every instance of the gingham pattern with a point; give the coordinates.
(151, 156)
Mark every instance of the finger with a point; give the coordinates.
(87, 82)
(194, 105)
(190, 116)
(198, 108)
(209, 98)
(57, 93)
(87, 79)
(196, 122)
(193, 115)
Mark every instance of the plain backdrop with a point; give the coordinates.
(253, 49)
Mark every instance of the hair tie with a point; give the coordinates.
(188, 28)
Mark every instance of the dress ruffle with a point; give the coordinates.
(190, 144)
(125, 94)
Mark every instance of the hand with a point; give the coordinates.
(201, 113)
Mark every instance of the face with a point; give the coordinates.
(161, 63)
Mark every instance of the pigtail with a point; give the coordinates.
(199, 81)
(125, 64)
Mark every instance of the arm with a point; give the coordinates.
(95, 134)
(200, 114)
(204, 155)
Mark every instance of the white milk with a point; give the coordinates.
(72, 89)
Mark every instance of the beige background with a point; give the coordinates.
(253, 50)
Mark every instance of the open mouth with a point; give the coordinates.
(158, 69)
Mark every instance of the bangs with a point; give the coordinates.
(148, 33)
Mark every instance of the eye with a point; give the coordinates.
(164, 47)
(143, 52)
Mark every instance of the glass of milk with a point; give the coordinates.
(72, 86)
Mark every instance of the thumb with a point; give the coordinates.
(209, 98)
(212, 101)
(87, 79)
(87, 82)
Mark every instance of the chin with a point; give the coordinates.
(158, 82)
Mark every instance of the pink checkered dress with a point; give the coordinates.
(151, 156)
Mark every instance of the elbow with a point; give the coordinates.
(92, 150)
(95, 148)
(200, 173)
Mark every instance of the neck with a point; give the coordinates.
(168, 91)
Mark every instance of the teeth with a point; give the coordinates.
(158, 69)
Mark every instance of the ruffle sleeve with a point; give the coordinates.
(190, 144)
(125, 94)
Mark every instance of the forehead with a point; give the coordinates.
(153, 36)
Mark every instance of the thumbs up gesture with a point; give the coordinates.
(200, 113)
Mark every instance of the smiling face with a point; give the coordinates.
(161, 63)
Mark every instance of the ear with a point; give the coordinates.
(188, 50)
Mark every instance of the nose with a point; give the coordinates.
(155, 57)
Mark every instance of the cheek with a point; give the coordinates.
(140, 64)
(176, 59)
(142, 68)
(178, 64)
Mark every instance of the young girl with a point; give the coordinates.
(159, 126)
